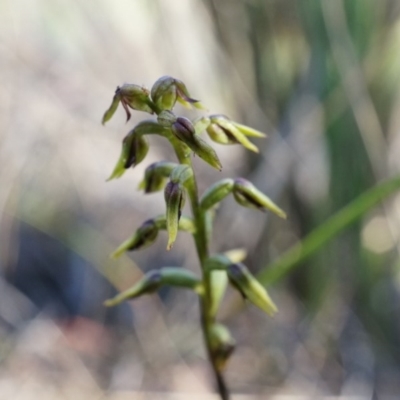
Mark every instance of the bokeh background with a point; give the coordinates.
(320, 77)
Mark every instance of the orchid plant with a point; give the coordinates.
(178, 181)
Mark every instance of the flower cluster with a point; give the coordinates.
(178, 181)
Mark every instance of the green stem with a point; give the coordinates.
(327, 231)
(200, 238)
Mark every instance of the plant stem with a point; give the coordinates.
(200, 238)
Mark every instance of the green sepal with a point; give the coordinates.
(134, 150)
(234, 133)
(216, 193)
(154, 279)
(135, 97)
(174, 194)
(164, 93)
(219, 283)
(205, 152)
(111, 110)
(217, 262)
(247, 195)
(217, 266)
(246, 130)
(151, 127)
(181, 277)
(181, 174)
(147, 233)
(166, 118)
(222, 345)
(201, 124)
(236, 255)
(184, 96)
(250, 288)
(144, 236)
(185, 224)
(135, 146)
(156, 176)
(209, 222)
(149, 283)
(167, 90)
(219, 135)
(184, 130)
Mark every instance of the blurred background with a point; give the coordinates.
(321, 78)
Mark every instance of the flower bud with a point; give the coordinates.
(222, 345)
(218, 265)
(154, 279)
(142, 238)
(180, 277)
(184, 130)
(166, 91)
(149, 283)
(250, 288)
(134, 150)
(135, 97)
(174, 194)
(224, 131)
(220, 135)
(156, 175)
(247, 195)
(216, 193)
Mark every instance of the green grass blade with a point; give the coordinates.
(327, 231)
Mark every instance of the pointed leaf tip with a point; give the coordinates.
(111, 110)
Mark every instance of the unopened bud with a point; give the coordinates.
(220, 135)
(174, 194)
(224, 131)
(250, 288)
(156, 175)
(154, 279)
(166, 91)
(247, 195)
(184, 130)
(142, 238)
(216, 193)
(222, 345)
(149, 283)
(135, 97)
(180, 277)
(134, 150)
